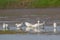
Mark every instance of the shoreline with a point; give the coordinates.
(22, 32)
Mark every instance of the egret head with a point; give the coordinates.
(38, 21)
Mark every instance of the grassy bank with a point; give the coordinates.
(12, 32)
(21, 32)
(29, 3)
(46, 3)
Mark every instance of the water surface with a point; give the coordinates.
(29, 37)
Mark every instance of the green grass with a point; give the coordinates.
(29, 3)
(46, 3)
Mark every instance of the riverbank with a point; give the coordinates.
(43, 13)
(22, 32)
(11, 32)
(29, 4)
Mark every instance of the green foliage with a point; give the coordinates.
(46, 3)
(29, 3)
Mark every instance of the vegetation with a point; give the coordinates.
(46, 3)
(29, 3)
(11, 32)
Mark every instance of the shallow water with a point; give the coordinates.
(46, 28)
(29, 37)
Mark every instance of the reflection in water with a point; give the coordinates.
(29, 36)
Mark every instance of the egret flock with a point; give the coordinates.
(29, 26)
